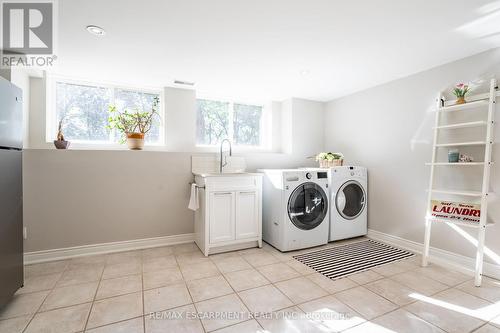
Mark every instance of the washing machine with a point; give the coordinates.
(348, 201)
(295, 208)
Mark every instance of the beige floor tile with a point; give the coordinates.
(129, 326)
(300, 289)
(45, 268)
(39, 283)
(300, 267)
(444, 275)
(23, 304)
(332, 313)
(365, 277)
(393, 291)
(124, 257)
(453, 311)
(489, 290)
(158, 263)
(365, 302)
(190, 258)
(92, 259)
(185, 248)
(70, 295)
(78, 276)
(224, 255)
(488, 329)
(64, 320)
(264, 299)
(166, 298)
(395, 268)
(260, 258)
(250, 326)
(419, 283)
(232, 264)
(246, 279)
(397, 321)
(278, 272)
(14, 325)
(119, 286)
(290, 320)
(164, 323)
(229, 304)
(211, 287)
(162, 278)
(157, 252)
(122, 269)
(199, 271)
(331, 286)
(112, 310)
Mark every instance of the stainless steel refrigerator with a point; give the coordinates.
(11, 190)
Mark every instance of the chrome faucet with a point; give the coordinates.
(224, 163)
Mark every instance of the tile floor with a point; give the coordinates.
(177, 289)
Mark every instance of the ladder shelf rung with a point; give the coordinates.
(456, 192)
(463, 125)
(456, 163)
(462, 223)
(457, 144)
(466, 106)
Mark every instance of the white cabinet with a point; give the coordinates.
(230, 214)
(247, 210)
(221, 212)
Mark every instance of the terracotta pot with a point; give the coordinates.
(135, 141)
(460, 100)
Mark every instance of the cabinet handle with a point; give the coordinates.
(222, 193)
(247, 192)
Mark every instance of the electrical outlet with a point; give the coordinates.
(25, 232)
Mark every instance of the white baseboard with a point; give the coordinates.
(441, 257)
(85, 250)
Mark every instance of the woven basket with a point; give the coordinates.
(329, 164)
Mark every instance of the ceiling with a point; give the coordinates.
(269, 49)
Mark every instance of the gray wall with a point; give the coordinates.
(388, 130)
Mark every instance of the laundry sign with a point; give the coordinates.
(456, 211)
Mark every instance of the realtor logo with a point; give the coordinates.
(27, 28)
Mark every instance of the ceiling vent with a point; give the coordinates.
(185, 83)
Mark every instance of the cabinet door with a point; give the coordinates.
(221, 212)
(247, 214)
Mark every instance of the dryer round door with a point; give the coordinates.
(350, 200)
(307, 206)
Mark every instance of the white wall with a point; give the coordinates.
(87, 196)
(388, 130)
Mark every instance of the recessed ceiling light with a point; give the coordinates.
(304, 72)
(95, 30)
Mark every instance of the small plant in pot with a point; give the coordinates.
(60, 143)
(328, 160)
(460, 90)
(133, 125)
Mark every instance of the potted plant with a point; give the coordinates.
(60, 143)
(328, 160)
(460, 90)
(133, 125)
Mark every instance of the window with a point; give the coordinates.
(84, 111)
(218, 120)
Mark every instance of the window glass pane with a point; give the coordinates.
(246, 122)
(212, 121)
(138, 101)
(84, 110)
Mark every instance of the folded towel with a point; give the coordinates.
(193, 201)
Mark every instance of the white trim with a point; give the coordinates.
(441, 257)
(85, 250)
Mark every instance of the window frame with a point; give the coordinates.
(265, 124)
(51, 122)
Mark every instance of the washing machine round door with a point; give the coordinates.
(307, 206)
(350, 200)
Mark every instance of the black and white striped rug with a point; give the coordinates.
(339, 261)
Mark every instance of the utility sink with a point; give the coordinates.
(226, 174)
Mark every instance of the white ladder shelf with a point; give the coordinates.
(485, 100)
